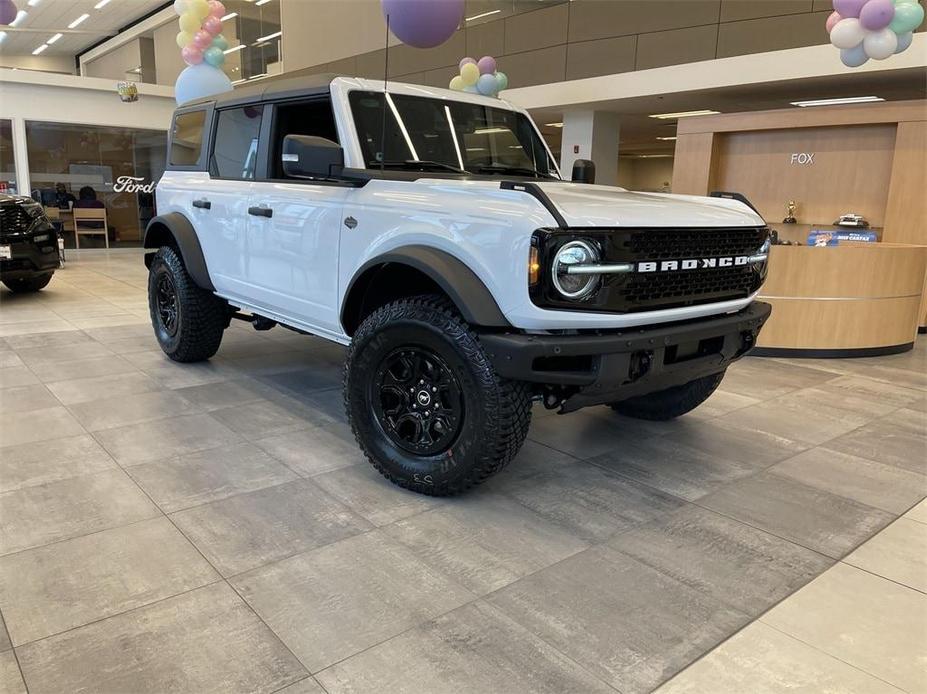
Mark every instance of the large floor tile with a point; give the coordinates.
(628, 624)
(198, 478)
(583, 434)
(36, 516)
(5, 643)
(475, 648)
(250, 530)
(64, 353)
(51, 589)
(85, 368)
(18, 428)
(736, 564)
(763, 660)
(898, 553)
(26, 399)
(216, 396)
(306, 686)
(11, 681)
(16, 376)
(887, 487)
(260, 419)
(77, 390)
(485, 541)
(314, 449)
(30, 464)
(816, 519)
(869, 622)
(886, 394)
(918, 513)
(203, 641)
(334, 602)
(777, 379)
(898, 439)
(112, 413)
(147, 441)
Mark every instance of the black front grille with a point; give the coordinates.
(677, 244)
(648, 291)
(13, 220)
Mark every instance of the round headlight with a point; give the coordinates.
(573, 254)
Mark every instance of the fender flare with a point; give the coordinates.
(474, 301)
(176, 226)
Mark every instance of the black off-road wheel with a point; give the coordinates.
(188, 321)
(424, 402)
(670, 403)
(27, 285)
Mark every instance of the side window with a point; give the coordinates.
(305, 118)
(236, 144)
(187, 138)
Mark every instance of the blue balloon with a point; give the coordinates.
(214, 56)
(853, 57)
(486, 85)
(198, 81)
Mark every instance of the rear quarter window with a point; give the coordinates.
(187, 138)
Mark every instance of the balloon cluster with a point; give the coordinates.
(200, 38)
(8, 12)
(877, 29)
(480, 77)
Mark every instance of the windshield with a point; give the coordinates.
(432, 134)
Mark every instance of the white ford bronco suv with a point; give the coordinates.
(431, 232)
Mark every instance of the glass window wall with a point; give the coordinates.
(253, 31)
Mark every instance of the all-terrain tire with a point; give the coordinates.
(670, 403)
(199, 319)
(27, 285)
(496, 411)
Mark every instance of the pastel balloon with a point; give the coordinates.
(904, 41)
(502, 81)
(8, 12)
(847, 33)
(853, 57)
(908, 17)
(487, 65)
(849, 8)
(198, 81)
(220, 42)
(456, 84)
(471, 89)
(466, 61)
(192, 55)
(877, 14)
(184, 38)
(202, 39)
(832, 20)
(198, 8)
(213, 25)
(423, 23)
(216, 9)
(469, 74)
(486, 85)
(190, 23)
(214, 56)
(180, 6)
(880, 44)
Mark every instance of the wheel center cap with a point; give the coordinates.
(424, 398)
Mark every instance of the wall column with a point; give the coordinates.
(21, 156)
(591, 135)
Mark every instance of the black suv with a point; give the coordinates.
(28, 244)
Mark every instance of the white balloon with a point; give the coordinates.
(180, 6)
(847, 33)
(904, 41)
(880, 44)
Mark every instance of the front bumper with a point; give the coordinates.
(28, 258)
(603, 367)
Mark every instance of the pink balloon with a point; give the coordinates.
(832, 20)
(465, 61)
(877, 14)
(216, 9)
(213, 25)
(849, 8)
(192, 55)
(202, 39)
(487, 65)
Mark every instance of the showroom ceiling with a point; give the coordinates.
(43, 19)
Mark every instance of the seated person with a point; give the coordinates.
(63, 199)
(88, 199)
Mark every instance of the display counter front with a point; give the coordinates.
(850, 300)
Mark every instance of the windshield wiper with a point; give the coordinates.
(422, 164)
(517, 170)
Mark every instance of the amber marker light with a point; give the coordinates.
(534, 267)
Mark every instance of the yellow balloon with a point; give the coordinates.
(457, 84)
(184, 38)
(190, 23)
(469, 74)
(198, 8)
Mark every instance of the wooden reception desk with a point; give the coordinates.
(851, 300)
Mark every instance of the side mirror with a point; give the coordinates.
(583, 171)
(308, 156)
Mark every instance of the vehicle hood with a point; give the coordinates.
(585, 205)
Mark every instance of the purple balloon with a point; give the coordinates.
(849, 8)
(465, 61)
(487, 65)
(423, 23)
(877, 14)
(7, 11)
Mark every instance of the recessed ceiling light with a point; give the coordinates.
(77, 22)
(261, 2)
(2, 37)
(20, 17)
(838, 102)
(33, 3)
(667, 139)
(230, 15)
(268, 37)
(40, 49)
(480, 16)
(100, 5)
(553, 125)
(53, 39)
(683, 114)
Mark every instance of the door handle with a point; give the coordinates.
(261, 211)
(202, 204)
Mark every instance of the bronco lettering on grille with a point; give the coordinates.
(691, 264)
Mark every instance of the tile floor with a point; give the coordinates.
(213, 528)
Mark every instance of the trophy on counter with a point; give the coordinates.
(790, 217)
